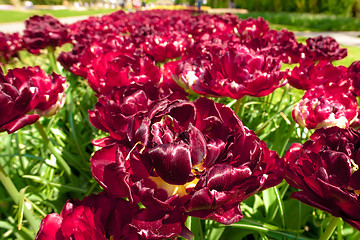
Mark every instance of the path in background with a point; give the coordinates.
(344, 38)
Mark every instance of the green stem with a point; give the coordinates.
(281, 206)
(330, 228)
(237, 106)
(14, 194)
(285, 143)
(91, 189)
(52, 59)
(52, 149)
(285, 188)
(200, 228)
(242, 107)
(188, 223)
(19, 152)
(299, 219)
(3, 68)
(259, 228)
(339, 230)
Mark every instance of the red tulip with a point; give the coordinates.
(10, 45)
(326, 107)
(43, 31)
(121, 112)
(326, 171)
(28, 90)
(309, 75)
(239, 72)
(101, 217)
(324, 48)
(177, 154)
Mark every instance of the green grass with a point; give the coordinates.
(19, 16)
(307, 21)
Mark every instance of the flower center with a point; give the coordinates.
(171, 189)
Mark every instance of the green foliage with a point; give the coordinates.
(337, 7)
(44, 187)
(307, 21)
(47, 2)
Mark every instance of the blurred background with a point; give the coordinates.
(349, 8)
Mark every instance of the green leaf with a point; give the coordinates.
(269, 198)
(215, 233)
(292, 215)
(21, 207)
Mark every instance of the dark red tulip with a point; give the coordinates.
(325, 107)
(29, 90)
(326, 171)
(354, 75)
(44, 31)
(309, 74)
(114, 69)
(176, 157)
(168, 45)
(101, 217)
(250, 29)
(239, 72)
(282, 44)
(50, 94)
(122, 111)
(10, 45)
(324, 48)
(95, 217)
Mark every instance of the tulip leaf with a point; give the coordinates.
(23, 234)
(197, 228)
(269, 198)
(58, 185)
(293, 214)
(21, 207)
(277, 234)
(215, 233)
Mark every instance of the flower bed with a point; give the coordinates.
(177, 124)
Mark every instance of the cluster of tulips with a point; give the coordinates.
(171, 152)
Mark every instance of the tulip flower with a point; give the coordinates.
(239, 72)
(44, 31)
(324, 48)
(250, 29)
(114, 69)
(282, 44)
(309, 74)
(10, 45)
(326, 170)
(326, 107)
(29, 90)
(196, 157)
(354, 75)
(166, 45)
(100, 217)
(121, 112)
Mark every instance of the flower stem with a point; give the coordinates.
(52, 149)
(4, 69)
(52, 59)
(330, 228)
(286, 141)
(339, 230)
(239, 107)
(14, 194)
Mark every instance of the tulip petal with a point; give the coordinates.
(172, 162)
